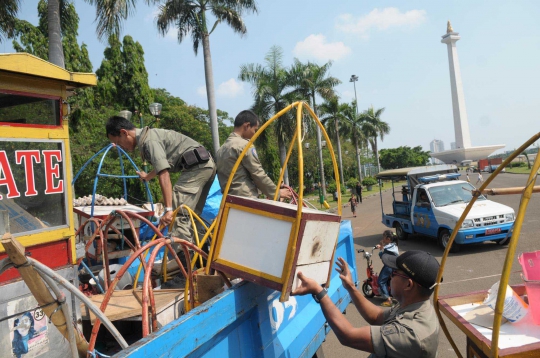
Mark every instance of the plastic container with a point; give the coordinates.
(530, 263)
(514, 308)
(125, 282)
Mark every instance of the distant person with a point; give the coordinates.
(409, 329)
(480, 179)
(354, 204)
(250, 177)
(387, 246)
(358, 189)
(468, 179)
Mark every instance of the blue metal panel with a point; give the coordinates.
(249, 321)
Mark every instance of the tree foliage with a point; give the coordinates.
(122, 76)
(8, 17)
(403, 157)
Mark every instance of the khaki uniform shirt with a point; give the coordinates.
(163, 148)
(412, 331)
(249, 176)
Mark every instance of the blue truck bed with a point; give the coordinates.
(249, 321)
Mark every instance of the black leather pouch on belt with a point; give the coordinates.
(202, 154)
(196, 156)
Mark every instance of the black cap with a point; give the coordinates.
(420, 266)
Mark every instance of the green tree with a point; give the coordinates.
(311, 80)
(272, 85)
(375, 128)
(403, 157)
(123, 79)
(191, 17)
(8, 17)
(331, 114)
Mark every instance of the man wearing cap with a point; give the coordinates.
(250, 177)
(409, 329)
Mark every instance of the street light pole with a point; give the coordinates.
(353, 79)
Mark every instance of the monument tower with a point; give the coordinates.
(461, 123)
(463, 149)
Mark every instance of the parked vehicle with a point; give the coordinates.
(436, 201)
(492, 168)
(486, 169)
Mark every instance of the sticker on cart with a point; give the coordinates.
(28, 330)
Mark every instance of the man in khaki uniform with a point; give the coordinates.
(250, 177)
(169, 151)
(409, 329)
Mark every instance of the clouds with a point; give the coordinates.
(230, 89)
(380, 19)
(315, 46)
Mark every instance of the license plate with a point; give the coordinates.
(493, 231)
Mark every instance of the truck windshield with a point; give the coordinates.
(452, 194)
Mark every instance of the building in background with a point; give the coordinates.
(436, 146)
(452, 145)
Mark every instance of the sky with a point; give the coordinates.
(393, 47)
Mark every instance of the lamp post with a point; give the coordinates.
(353, 79)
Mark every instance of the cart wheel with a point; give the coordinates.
(401, 234)
(367, 290)
(444, 238)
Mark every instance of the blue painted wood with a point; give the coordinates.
(249, 321)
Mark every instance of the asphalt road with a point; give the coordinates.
(475, 267)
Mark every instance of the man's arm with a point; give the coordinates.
(259, 177)
(358, 338)
(166, 191)
(374, 315)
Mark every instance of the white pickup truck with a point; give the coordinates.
(437, 200)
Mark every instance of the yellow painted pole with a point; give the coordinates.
(289, 258)
(507, 268)
(282, 172)
(456, 229)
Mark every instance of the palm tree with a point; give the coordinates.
(191, 17)
(312, 80)
(8, 17)
(271, 91)
(331, 113)
(375, 128)
(54, 13)
(355, 126)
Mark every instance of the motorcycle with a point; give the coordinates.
(370, 287)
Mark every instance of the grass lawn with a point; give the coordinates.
(518, 170)
(314, 198)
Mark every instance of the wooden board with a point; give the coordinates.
(456, 307)
(126, 303)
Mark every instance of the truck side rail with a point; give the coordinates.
(249, 321)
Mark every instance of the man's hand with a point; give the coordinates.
(143, 175)
(307, 286)
(285, 194)
(166, 219)
(344, 273)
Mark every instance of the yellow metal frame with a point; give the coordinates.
(288, 266)
(507, 268)
(27, 74)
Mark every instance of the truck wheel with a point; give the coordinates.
(367, 290)
(444, 238)
(401, 234)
